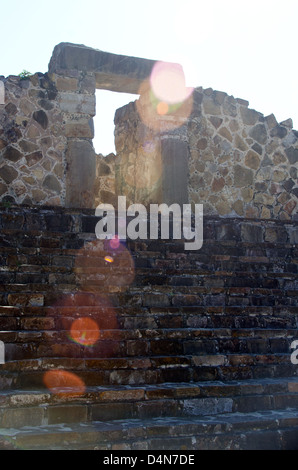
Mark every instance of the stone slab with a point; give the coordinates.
(81, 174)
(112, 71)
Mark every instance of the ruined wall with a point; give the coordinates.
(32, 143)
(210, 148)
(239, 163)
(46, 132)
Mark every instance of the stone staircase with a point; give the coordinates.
(144, 345)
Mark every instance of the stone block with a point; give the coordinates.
(8, 174)
(77, 103)
(251, 233)
(67, 414)
(249, 116)
(20, 417)
(242, 176)
(259, 133)
(81, 174)
(207, 406)
(80, 128)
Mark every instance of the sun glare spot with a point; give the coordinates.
(84, 331)
(162, 108)
(168, 83)
(114, 243)
(63, 383)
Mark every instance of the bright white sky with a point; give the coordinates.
(245, 48)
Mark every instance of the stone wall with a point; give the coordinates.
(239, 163)
(46, 132)
(32, 142)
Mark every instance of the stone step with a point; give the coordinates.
(28, 374)
(136, 317)
(68, 405)
(78, 342)
(51, 261)
(47, 295)
(263, 430)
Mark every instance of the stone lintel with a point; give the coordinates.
(112, 71)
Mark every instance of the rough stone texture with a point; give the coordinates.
(35, 143)
(242, 155)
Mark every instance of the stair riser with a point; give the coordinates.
(31, 346)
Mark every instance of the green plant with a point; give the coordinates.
(24, 75)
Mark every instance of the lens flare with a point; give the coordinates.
(168, 83)
(84, 331)
(162, 108)
(165, 102)
(63, 383)
(114, 243)
(109, 259)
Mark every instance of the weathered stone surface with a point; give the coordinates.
(76, 103)
(216, 121)
(279, 131)
(257, 148)
(66, 83)
(82, 128)
(218, 184)
(28, 146)
(41, 118)
(287, 123)
(252, 160)
(104, 169)
(11, 153)
(210, 107)
(52, 183)
(81, 174)
(249, 116)
(11, 109)
(292, 154)
(8, 173)
(240, 144)
(242, 176)
(224, 132)
(271, 121)
(46, 104)
(251, 233)
(33, 158)
(259, 133)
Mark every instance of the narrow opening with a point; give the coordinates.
(107, 102)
